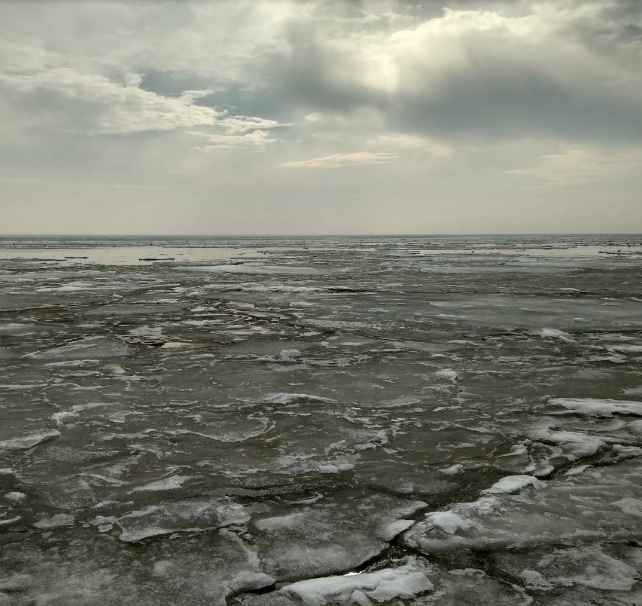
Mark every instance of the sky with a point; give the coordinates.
(320, 117)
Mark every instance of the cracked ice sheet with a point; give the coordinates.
(83, 568)
(334, 534)
(586, 566)
(598, 504)
(187, 515)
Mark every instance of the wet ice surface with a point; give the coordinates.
(400, 421)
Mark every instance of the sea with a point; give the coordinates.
(289, 420)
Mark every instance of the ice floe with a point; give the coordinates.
(599, 408)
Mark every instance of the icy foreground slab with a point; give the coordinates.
(331, 535)
(433, 584)
(82, 568)
(598, 504)
(380, 586)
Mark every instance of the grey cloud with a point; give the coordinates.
(499, 100)
(631, 32)
(504, 88)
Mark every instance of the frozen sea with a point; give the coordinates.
(288, 421)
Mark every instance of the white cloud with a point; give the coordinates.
(341, 160)
(256, 138)
(122, 107)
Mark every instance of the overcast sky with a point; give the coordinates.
(320, 116)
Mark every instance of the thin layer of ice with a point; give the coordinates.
(89, 348)
(599, 408)
(26, 442)
(185, 515)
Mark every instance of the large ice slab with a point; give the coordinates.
(597, 504)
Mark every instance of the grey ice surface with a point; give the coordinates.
(404, 421)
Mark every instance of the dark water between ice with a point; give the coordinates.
(252, 421)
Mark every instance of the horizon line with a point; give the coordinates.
(314, 235)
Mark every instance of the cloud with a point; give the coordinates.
(403, 141)
(470, 73)
(580, 166)
(343, 160)
(81, 184)
(113, 105)
(118, 107)
(463, 112)
(256, 139)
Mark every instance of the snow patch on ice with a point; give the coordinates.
(60, 519)
(406, 581)
(447, 521)
(453, 469)
(511, 484)
(15, 497)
